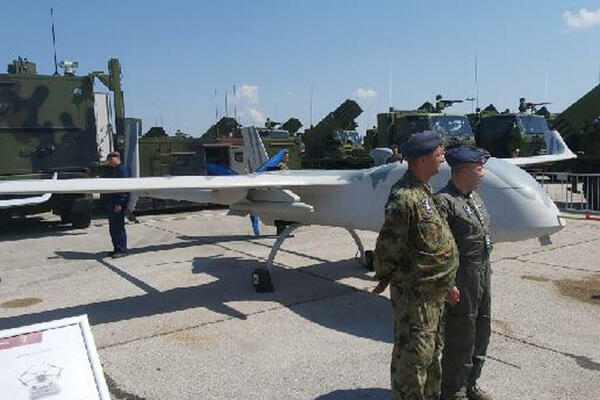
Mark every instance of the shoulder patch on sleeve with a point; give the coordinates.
(426, 204)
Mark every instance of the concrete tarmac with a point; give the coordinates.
(178, 318)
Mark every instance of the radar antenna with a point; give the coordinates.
(54, 42)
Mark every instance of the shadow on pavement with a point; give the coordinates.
(310, 294)
(189, 241)
(358, 394)
(35, 227)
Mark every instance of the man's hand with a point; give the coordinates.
(118, 208)
(381, 286)
(453, 296)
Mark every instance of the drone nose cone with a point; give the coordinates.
(521, 208)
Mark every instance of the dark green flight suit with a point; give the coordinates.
(467, 327)
(416, 253)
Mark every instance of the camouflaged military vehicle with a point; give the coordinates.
(180, 154)
(506, 134)
(161, 154)
(275, 137)
(579, 125)
(55, 125)
(396, 126)
(334, 142)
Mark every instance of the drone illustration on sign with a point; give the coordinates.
(41, 380)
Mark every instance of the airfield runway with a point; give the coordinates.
(179, 318)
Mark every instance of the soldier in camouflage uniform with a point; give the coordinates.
(416, 255)
(467, 326)
(283, 164)
(396, 156)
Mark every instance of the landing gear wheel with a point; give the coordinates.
(261, 279)
(81, 221)
(369, 256)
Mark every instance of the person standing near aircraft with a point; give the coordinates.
(417, 256)
(467, 326)
(117, 205)
(283, 165)
(396, 156)
(279, 162)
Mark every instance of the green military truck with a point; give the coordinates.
(161, 154)
(334, 142)
(180, 154)
(396, 126)
(275, 137)
(506, 134)
(55, 125)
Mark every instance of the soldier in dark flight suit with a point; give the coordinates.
(467, 326)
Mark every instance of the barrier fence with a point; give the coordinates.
(578, 193)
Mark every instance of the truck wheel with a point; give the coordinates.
(4, 217)
(65, 217)
(81, 221)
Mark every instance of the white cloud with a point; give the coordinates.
(257, 117)
(365, 93)
(247, 103)
(581, 19)
(248, 94)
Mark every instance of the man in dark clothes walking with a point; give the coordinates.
(117, 205)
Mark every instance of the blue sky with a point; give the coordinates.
(175, 54)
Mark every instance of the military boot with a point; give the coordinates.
(455, 396)
(476, 393)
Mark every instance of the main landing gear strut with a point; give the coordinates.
(261, 277)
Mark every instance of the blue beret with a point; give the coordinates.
(466, 154)
(420, 144)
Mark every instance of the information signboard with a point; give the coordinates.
(55, 360)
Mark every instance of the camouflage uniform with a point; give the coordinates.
(416, 252)
(283, 166)
(395, 158)
(467, 326)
